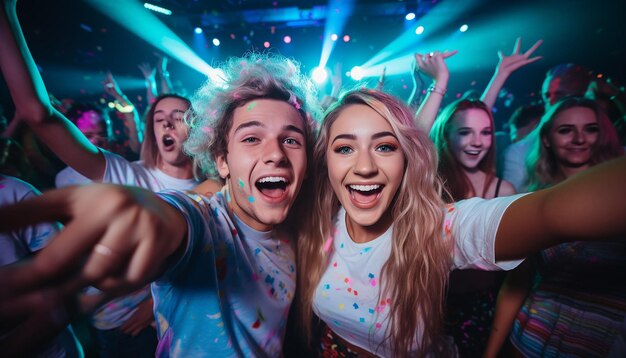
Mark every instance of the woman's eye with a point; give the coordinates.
(386, 148)
(592, 129)
(464, 133)
(487, 132)
(343, 150)
(564, 130)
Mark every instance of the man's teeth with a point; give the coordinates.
(364, 187)
(272, 180)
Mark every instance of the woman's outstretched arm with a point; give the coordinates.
(588, 206)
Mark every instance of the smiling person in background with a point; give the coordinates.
(464, 138)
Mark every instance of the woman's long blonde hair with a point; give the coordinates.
(416, 272)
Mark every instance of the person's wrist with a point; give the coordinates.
(502, 73)
(442, 79)
(435, 88)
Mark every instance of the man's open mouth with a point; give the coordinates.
(273, 187)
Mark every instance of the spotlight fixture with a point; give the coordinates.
(356, 73)
(319, 75)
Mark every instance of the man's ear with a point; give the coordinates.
(222, 166)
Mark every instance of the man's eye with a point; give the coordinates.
(291, 141)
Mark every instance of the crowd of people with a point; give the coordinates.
(255, 218)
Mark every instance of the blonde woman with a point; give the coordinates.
(375, 253)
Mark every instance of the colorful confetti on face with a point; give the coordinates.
(251, 106)
(251, 199)
(241, 183)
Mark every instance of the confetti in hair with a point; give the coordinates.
(327, 244)
(207, 130)
(294, 101)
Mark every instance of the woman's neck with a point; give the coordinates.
(182, 171)
(569, 171)
(362, 234)
(477, 178)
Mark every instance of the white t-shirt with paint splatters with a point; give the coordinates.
(347, 297)
(230, 293)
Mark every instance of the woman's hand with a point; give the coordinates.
(433, 65)
(509, 64)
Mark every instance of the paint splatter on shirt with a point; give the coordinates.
(232, 300)
(348, 298)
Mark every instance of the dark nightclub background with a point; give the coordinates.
(75, 42)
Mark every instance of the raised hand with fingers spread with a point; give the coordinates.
(515, 60)
(506, 66)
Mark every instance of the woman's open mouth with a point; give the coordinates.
(364, 194)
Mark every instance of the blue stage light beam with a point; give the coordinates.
(143, 23)
(337, 13)
(478, 48)
(442, 14)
